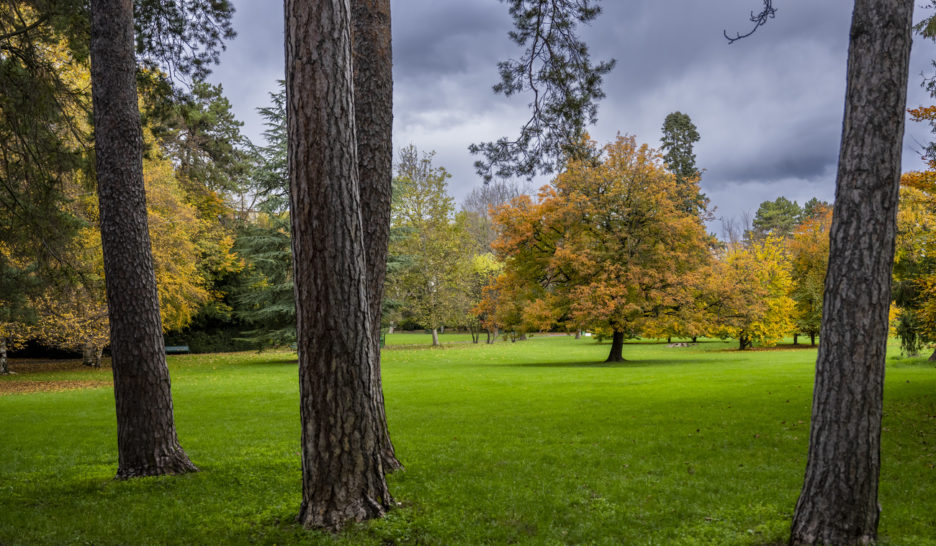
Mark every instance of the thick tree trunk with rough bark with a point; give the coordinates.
(146, 438)
(838, 503)
(342, 468)
(617, 347)
(4, 370)
(373, 112)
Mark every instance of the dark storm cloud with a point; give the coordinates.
(769, 108)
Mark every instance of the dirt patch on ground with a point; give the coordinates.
(26, 387)
(22, 368)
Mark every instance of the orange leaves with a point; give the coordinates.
(605, 246)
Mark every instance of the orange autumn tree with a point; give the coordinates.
(606, 246)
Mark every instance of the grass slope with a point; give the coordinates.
(532, 442)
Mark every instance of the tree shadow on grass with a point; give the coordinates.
(602, 364)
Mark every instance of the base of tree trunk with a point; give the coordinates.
(390, 463)
(617, 348)
(333, 515)
(578, 334)
(167, 464)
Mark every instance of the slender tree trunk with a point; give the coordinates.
(838, 503)
(4, 370)
(342, 460)
(373, 114)
(812, 339)
(669, 339)
(90, 355)
(617, 347)
(795, 339)
(694, 339)
(146, 438)
(435, 337)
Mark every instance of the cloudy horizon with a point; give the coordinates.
(768, 108)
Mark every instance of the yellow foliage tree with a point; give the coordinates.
(754, 286)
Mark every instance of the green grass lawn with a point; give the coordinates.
(532, 442)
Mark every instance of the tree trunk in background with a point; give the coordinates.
(3, 357)
(342, 469)
(373, 113)
(795, 339)
(932, 357)
(89, 356)
(617, 347)
(812, 340)
(578, 334)
(146, 437)
(743, 342)
(435, 337)
(838, 503)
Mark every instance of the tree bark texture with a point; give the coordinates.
(617, 347)
(4, 370)
(373, 114)
(838, 503)
(146, 437)
(342, 469)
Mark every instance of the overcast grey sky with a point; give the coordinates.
(769, 108)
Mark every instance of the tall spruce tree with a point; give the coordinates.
(678, 140)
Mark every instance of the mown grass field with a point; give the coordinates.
(532, 442)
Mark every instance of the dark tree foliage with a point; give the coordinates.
(556, 71)
(204, 139)
(265, 301)
(41, 145)
(184, 37)
(270, 177)
(814, 208)
(679, 138)
(776, 218)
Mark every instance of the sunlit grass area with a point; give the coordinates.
(531, 442)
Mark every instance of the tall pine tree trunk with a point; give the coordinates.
(146, 438)
(838, 503)
(342, 468)
(373, 113)
(617, 347)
